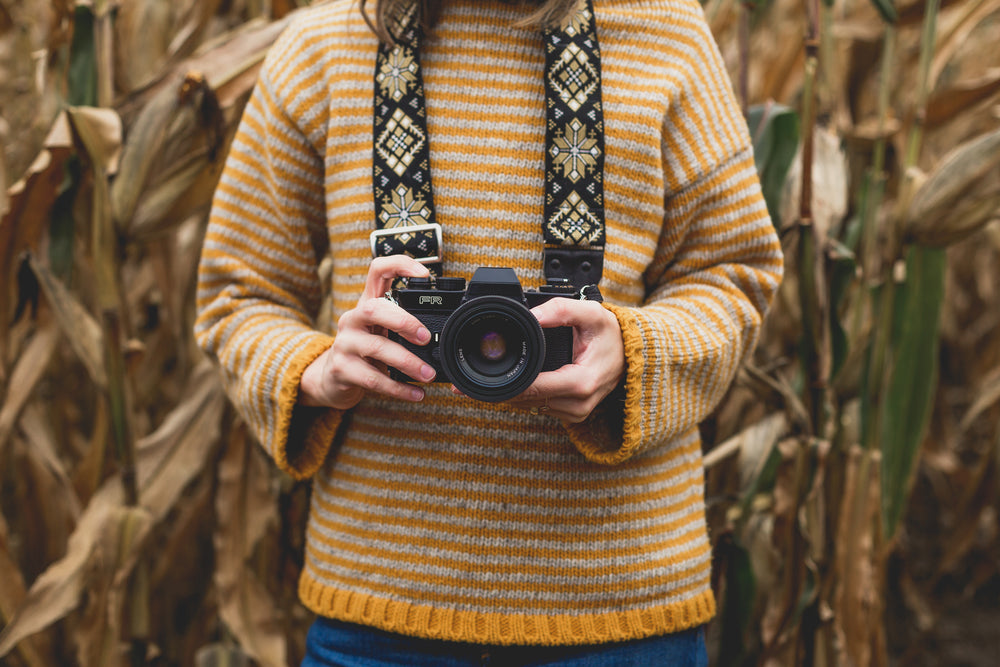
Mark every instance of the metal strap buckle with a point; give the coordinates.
(409, 229)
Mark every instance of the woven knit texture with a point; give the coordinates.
(468, 521)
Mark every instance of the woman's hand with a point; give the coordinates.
(572, 392)
(355, 364)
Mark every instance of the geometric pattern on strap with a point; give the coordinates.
(574, 156)
(404, 198)
(574, 143)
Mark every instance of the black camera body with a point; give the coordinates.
(484, 339)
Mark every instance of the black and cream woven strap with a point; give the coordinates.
(573, 225)
(574, 155)
(404, 199)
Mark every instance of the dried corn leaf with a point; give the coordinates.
(57, 591)
(11, 596)
(220, 655)
(950, 104)
(829, 204)
(172, 159)
(11, 581)
(30, 201)
(83, 333)
(196, 21)
(113, 559)
(177, 452)
(753, 444)
(176, 128)
(245, 509)
(99, 131)
(27, 372)
(4, 197)
(959, 197)
(986, 396)
(168, 460)
(42, 444)
(143, 34)
(972, 15)
(975, 509)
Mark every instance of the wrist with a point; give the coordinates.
(311, 384)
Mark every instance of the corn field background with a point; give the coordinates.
(853, 471)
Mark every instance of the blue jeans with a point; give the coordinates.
(334, 643)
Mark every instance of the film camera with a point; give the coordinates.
(484, 339)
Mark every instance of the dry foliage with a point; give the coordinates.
(854, 488)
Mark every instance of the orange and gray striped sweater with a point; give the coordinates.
(468, 521)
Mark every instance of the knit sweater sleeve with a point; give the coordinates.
(716, 268)
(258, 284)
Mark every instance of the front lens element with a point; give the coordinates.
(492, 346)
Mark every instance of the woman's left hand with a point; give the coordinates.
(572, 392)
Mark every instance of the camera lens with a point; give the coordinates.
(492, 348)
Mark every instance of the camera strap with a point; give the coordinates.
(573, 225)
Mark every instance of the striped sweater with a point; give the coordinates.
(468, 521)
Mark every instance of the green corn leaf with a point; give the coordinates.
(62, 227)
(887, 10)
(82, 60)
(738, 603)
(842, 267)
(775, 132)
(907, 403)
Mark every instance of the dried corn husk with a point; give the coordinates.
(959, 197)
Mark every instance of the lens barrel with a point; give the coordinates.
(492, 348)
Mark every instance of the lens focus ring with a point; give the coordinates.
(492, 348)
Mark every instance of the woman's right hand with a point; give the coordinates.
(356, 362)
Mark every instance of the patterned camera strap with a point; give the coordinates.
(574, 152)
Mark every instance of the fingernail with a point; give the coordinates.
(423, 335)
(416, 395)
(426, 372)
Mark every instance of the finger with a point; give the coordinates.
(565, 312)
(383, 271)
(571, 381)
(379, 350)
(381, 315)
(365, 376)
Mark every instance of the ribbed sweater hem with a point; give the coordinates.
(496, 629)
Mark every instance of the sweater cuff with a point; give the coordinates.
(613, 431)
(303, 434)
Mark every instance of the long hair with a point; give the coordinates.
(549, 13)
